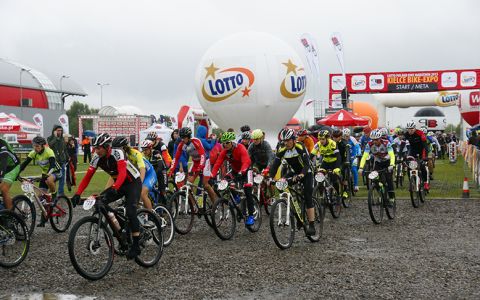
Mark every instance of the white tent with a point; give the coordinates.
(162, 131)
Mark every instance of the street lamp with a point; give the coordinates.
(101, 92)
(21, 89)
(61, 89)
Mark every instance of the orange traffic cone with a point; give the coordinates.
(466, 190)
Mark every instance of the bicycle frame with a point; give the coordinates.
(286, 193)
(33, 192)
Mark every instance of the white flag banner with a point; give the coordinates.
(63, 119)
(38, 120)
(310, 47)
(338, 47)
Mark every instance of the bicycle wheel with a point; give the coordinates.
(347, 202)
(90, 248)
(414, 195)
(208, 210)
(267, 198)
(391, 210)
(375, 204)
(168, 225)
(318, 222)
(25, 209)
(223, 219)
(257, 215)
(182, 212)
(398, 175)
(14, 239)
(151, 238)
(61, 214)
(282, 225)
(322, 199)
(335, 205)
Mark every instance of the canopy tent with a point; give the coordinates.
(11, 125)
(162, 131)
(343, 118)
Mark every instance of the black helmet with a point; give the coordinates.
(324, 133)
(337, 133)
(38, 140)
(245, 128)
(103, 139)
(287, 134)
(185, 132)
(152, 136)
(119, 142)
(246, 135)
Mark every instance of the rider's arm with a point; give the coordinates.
(424, 145)
(166, 158)
(391, 153)
(86, 180)
(140, 164)
(122, 174)
(250, 153)
(306, 161)
(269, 150)
(3, 163)
(218, 163)
(27, 161)
(245, 159)
(365, 155)
(178, 152)
(276, 162)
(201, 151)
(53, 165)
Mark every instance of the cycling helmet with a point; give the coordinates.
(227, 137)
(400, 131)
(103, 139)
(287, 134)
(324, 134)
(411, 125)
(152, 136)
(38, 140)
(119, 142)
(430, 133)
(346, 132)
(185, 132)
(246, 135)
(302, 132)
(425, 130)
(375, 134)
(337, 133)
(367, 129)
(257, 134)
(383, 131)
(245, 128)
(147, 144)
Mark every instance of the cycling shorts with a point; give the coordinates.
(150, 179)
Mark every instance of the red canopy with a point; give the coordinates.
(343, 118)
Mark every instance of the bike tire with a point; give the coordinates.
(24, 207)
(183, 219)
(224, 220)
(278, 219)
(257, 215)
(335, 205)
(318, 222)
(375, 204)
(391, 210)
(108, 242)
(208, 207)
(64, 207)
(347, 202)
(168, 224)
(13, 226)
(414, 195)
(151, 235)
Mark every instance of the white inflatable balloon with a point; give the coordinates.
(469, 105)
(251, 78)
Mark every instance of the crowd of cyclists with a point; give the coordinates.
(299, 154)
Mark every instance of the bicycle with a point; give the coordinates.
(400, 170)
(329, 196)
(91, 238)
(14, 239)
(58, 211)
(263, 191)
(284, 220)
(163, 211)
(347, 185)
(416, 183)
(185, 205)
(231, 207)
(378, 197)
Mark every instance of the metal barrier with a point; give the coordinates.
(472, 160)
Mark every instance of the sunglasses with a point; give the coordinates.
(226, 143)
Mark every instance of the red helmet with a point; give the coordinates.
(302, 132)
(367, 129)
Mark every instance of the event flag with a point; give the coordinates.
(338, 47)
(38, 120)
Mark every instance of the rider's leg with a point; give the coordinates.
(207, 172)
(307, 194)
(248, 189)
(144, 196)
(162, 185)
(4, 190)
(51, 183)
(148, 183)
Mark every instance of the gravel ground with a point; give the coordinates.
(431, 252)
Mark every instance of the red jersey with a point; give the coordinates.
(237, 157)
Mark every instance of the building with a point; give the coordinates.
(25, 92)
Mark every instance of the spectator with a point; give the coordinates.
(72, 151)
(171, 144)
(87, 149)
(57, 143)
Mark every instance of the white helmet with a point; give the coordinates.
(383, 131)
(424, 129)
(375, 134)
(346, 131)
(411, 125)
(147, 144)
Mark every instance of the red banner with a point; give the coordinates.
(405, 82)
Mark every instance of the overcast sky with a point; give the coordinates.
(149, 50)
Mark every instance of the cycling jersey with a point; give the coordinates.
(261, 155)
(136, 158)
(46, 160)
(167, 159)
(115, 164)
(329, 151)
(381, 153)
(237, 157)
(8, 159)
(418, 143)
(297, 158)
(193, 149)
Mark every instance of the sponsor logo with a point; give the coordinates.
(221, 84)
(338, 82)
(474, 98)
(468, 79)
(336, 43)
(377, 82)
(449, 79)
(295, 82)
(359, 82)
(447, 99)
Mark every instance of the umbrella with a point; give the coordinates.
(89, 133)
(343, 118)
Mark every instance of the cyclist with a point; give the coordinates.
(331, 160)
(154, 157)
(260, 152)
(304, 137)
(434, 147)
(45, 158)
(193, 148)
(355, 152)
(384, 132)
(246, 139)
(126, 182)
(160, 147)
(418, 147)
(401, 145)
(237, 156)
(384, 158)
(296, 156)
(344, 156)
(9, 170)
(365, 137)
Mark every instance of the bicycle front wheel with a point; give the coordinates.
(61, 214)
(151, 238)
(182, 210)
(14, 239)
(414, 194)
(347, 201)
(318, 222)
(375, 204)
(223, 219)
(257, 215)
(25, 209)
(167, 222)
(282, 224)
(90, 248)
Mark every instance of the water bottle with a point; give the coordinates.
(200, 201)
(113, 220)
(237, 198)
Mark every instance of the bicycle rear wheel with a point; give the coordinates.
(391, 210)
(167, 222)
(375, 204)
(414, 195)
(25, 209)
(182, 210)
(61, 214)
(14, 239)
(318, 222)
(257, 215)
(347, 202)
(151, 238)
(282, 225)
(90, 248)
(335, 205)
(223, 219)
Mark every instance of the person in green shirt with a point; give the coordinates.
(9, 170)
